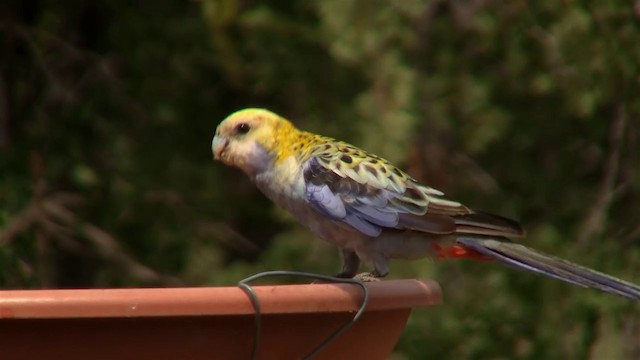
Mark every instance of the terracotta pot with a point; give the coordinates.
(207, 323)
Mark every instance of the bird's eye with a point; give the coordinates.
(242, 128)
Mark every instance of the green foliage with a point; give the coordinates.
(526, 109)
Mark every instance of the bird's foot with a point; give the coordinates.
(340, 275)
(366, 277)
(345, 275)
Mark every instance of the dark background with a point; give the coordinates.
(107, 110)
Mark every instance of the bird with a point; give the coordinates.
(372, 210)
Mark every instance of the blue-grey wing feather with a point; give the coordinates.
(341, 198)
(324, 200)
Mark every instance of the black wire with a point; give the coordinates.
(243, 284)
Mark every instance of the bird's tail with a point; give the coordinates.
(522, 257)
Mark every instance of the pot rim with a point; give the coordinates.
(215, 301)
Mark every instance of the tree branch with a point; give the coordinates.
(595, 220)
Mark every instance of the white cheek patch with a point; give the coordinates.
(252, 158)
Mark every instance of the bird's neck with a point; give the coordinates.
(283, 183)
(290, 142)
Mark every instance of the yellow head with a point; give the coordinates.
(252, 139)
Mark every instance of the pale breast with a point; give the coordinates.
(284, 185)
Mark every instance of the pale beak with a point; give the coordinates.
(218, 146)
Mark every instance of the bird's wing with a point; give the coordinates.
(370, 194)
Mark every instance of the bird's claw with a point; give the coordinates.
(366, 277)
(340, 275)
